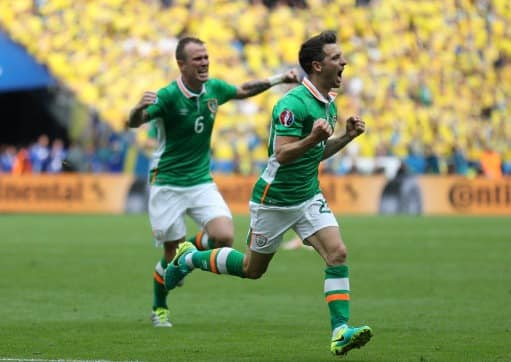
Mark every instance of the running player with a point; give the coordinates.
(287, 195)
(184, 113)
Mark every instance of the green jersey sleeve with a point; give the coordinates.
(163, 105)
(289, 115)
(152, 132)
(224, 91)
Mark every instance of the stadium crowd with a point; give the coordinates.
(432, 79)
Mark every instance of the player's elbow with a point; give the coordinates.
(282, 157)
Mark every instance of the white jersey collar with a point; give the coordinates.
(314, 91)
(186, 92)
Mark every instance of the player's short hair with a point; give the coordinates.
(312, 49)
(182, 43)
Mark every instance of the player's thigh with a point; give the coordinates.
(167, 213)
(268, 225)
(319, 227)
(316, 215)
(207, 204)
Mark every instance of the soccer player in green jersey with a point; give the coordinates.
(287, 194)
(183, 113)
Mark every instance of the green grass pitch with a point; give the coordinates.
(79, 288)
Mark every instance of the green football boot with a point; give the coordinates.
(177, 268)
(348, 338)
(160, 317)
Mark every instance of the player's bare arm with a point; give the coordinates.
(354, 128)
(138, 114)
(288, 149)
(255, 87)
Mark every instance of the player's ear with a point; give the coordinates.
(316, 66)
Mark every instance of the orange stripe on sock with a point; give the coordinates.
(198, 240)
(334, 297)
(158, 278)
(212, 261)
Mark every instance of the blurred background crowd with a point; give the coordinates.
(431, 78)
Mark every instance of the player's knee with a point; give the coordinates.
(223, 239)
(337, 256)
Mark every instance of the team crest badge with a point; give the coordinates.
(212, 105)
(260, 240)
(286, 118)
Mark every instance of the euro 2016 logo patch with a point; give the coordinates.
(212, 105)
(286, 118)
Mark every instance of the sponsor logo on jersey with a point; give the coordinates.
(286, 118)
(213, 105)
(183, 111)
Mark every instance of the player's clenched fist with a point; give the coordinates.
(321, 130)
(354, 126)
(147, 99)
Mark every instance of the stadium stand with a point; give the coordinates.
(431, 78)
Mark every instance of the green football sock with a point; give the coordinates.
(160, 293)
(202, 241)
(337, 294)
(220, 261)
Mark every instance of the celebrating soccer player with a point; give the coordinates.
(287, 194)
(183, 113)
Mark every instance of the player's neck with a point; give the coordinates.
(324, 90)
(192, 85)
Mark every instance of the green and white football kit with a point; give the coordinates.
(286, 197)
(180, 168)
(292, 190)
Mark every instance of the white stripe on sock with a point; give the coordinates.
(159, 269)
(337, 284)
(221, 260)
(188, 260)
(204, 241)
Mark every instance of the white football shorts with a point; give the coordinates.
(168, 206)
(268, 224)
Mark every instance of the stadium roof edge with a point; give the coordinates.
(19, 70)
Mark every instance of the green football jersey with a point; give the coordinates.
(184, 121)
(294, 115)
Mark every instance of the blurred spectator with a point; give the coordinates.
(75, 160)
(432, 161)
(93, 161)
(415, 161)
(22, 164)
(491, 163)
(458, 163)
(7, 157)
(117, 152)
(57, 156)
(421, 92)
(39, 154)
